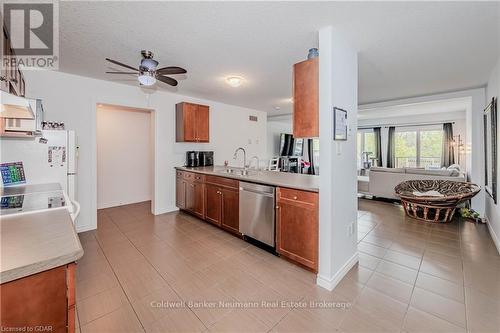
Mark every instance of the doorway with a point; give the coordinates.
(125, 155)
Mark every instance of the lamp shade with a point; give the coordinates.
(147, 79)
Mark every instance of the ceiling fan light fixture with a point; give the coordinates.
(149, 64)
(147, 79)
(234, 81)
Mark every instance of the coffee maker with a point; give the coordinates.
(192, 159)
(199, 158)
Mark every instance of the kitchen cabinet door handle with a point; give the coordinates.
(294, 197)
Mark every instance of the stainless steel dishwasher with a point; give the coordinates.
(257, 212)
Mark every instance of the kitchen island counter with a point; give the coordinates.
(282, 179)
(36, 242)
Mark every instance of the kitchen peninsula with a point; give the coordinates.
(212, 193)
(37, 271)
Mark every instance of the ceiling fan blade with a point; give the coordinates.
(120, 64)
(121, 73)
(167, 80)
(171, 70)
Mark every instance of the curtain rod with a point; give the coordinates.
(406, 125)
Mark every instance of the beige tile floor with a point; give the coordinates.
(175, 273)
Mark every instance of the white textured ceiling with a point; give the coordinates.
(405, 48)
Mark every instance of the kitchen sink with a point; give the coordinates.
(238, 172)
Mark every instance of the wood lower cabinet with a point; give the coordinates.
(190, 193)
(297, 226)
(211, 198)
(213, 204)
(42, 302)
(192, 122)
(306, 99)
(180, 190)
(231, 209)
(195, 198)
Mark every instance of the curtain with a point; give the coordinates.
(391, 148)
(310, 152)
(448, 151)
(378, 145)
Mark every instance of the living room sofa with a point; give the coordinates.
(380, 182)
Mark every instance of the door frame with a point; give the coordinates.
(154, 161)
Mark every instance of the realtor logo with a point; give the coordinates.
(33, 35)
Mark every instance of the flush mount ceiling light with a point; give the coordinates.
(234, 81)
(147, 79)
(277, 108)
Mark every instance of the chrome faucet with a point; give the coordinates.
(244, 157)
(256, 158)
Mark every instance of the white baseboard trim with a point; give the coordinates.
(331, 283)
(166, 210)
(84, 228)
(494, 236)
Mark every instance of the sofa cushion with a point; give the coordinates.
(454, 167)
(382, 169)
(444, 173)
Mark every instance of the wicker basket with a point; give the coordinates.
(433, 208)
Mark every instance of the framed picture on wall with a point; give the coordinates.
(490, 149)
(339, 124)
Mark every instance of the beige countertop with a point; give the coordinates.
(281, 179)
(36, 242)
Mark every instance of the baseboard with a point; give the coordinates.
(331, 283)
(494, 236)
(166, 210)
(84, 228)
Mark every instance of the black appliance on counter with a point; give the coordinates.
(196, 158)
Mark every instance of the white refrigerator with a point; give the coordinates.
(49, 158)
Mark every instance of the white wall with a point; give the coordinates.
(338, 82)
(73, 99)
(459, 128)
(276, 126)
(124, 156)
(492, 209)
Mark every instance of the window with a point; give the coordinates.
(418, 147)
(365, 144)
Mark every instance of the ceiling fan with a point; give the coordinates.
(147, 71)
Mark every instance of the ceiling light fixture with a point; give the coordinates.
(147, 79)
(234, 81)
(277, 108)
(149, 64)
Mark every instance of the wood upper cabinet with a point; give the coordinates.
(306, 98)
(202, 123)
(297, 226)
(39, 301)
(12, 79)
(192, 122)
